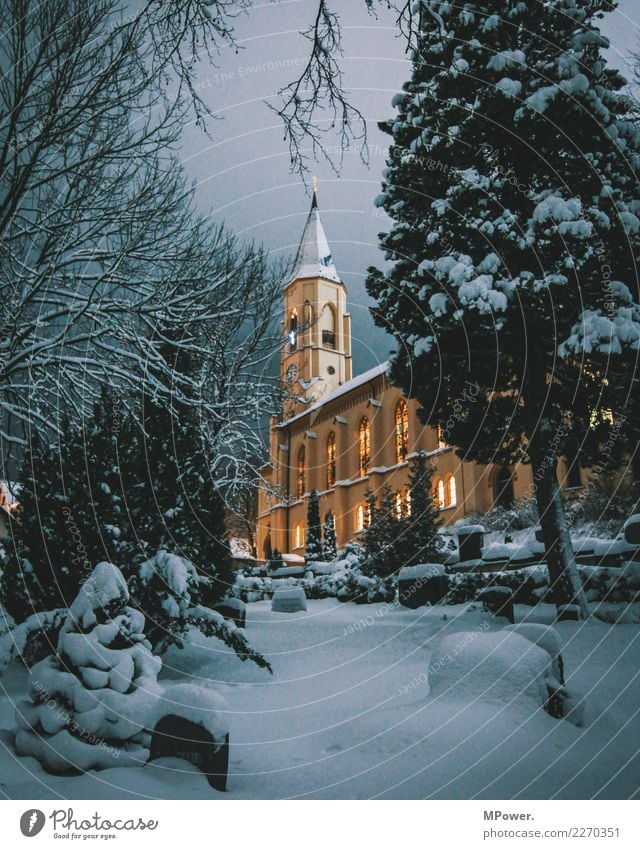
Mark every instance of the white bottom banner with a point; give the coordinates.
(288, 824)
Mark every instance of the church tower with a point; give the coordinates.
(316, 357)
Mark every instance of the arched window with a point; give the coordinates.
(362, 517)
(450, 495)
(438, 493)
(301, 472)
(328, 326)
(298, 537)
(331, 460)
(402, 504)
(442, 442)
(292, 334)
(402, 430)
(364, 446)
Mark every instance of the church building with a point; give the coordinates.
(343, 435)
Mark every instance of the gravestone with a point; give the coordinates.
(631, 531)
(470, 538)
(232, 608)
(423, 584)
(176, 737)
(288, 600)
(498, 601)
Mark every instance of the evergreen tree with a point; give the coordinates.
(177, 506)
(384, 538)
(329, 546)
(511, 185)
(90, 701)
(421, 542)
(313, 542)
(46, 552)
(71, 510)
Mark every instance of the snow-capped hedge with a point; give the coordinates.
(530, 585)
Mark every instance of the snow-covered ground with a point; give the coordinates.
(348, 714)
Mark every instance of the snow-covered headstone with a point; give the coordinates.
(631, 529)
(190, 722)
(500, 667)
(547, 638)
(233, 608)
(498, 601)
(470, 539)
(422, 584)
(90, 701)
(289, 600)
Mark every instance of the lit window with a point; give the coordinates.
(402, 504)
(402, 430)
(363, 519)
(292, 335)
(601, 416)
(301, 472)
(331, 460)
(298, 536)
(442, 443)
(438, 493)
(450, 494)
(364, 446)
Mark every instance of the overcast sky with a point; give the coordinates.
(242, 170)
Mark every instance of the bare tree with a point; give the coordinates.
(100, 244)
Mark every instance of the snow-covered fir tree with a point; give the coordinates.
(313, 541)
(89, 702)
(172, 594)
(383, 538)
(420, 540)
(43, 566)
(511, 184)
(329, 545)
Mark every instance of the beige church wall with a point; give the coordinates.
(343, 416)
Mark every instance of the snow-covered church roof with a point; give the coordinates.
(314, 255)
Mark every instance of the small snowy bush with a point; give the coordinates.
(523, 514)
(168, 589)
(89, 702)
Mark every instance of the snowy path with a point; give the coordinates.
(340, 718)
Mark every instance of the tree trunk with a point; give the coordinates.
(564, 579)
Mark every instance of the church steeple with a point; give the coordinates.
(316, 357)
(314, 254)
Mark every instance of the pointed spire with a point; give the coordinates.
(314, 254)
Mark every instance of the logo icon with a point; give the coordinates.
(32, 822)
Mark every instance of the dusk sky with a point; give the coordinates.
(243, 171)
